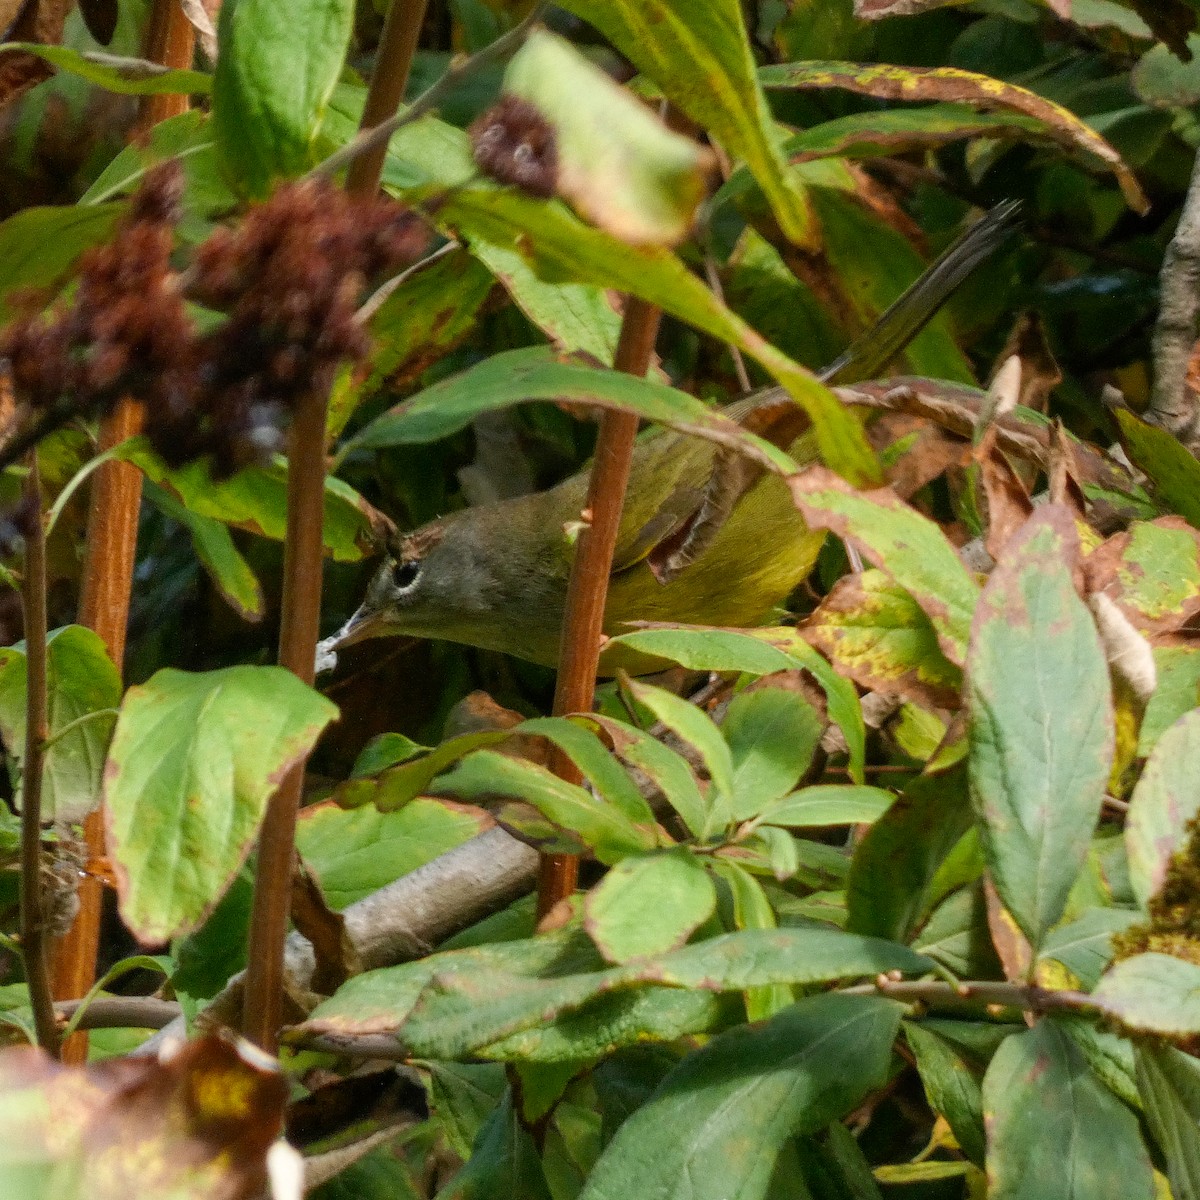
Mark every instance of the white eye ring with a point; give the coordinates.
(405, 574)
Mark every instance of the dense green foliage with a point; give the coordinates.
(897, 892)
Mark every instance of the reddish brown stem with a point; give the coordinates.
(297, 652)
(588, 588)
(397, 45)
(111, 544)
(263, 1011)
(33, 927)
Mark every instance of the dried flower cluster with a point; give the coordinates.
(513, 143)
(289, 278)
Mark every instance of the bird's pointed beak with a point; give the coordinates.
(364, 624)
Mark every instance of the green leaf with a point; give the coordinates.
(418, 323)
(193, 761)
(892, 881)
(752, 910)
(618, 164)
(1173, 471)
(466, 1012)
(399, 785)
(574, 316)
(714, 1127)
(559, 246)
(883, 133)
(686, 721)
(1164, 803)
(952, 1085)
(614, 1020)
(830, 804)
(670, 772)
(1054, 1129)
(1169, 1083)
(276, 72)
(898, 539)
(705, 649)
(1041, 722)
(470, 999)
(1178, 692)
(255, 499)
(214, 547)
(596, 822)
(38, 246)
(80, 679)
(649, 904)
(1162, 79)
(125, 76)
(503, 1162)
(757, 652)
(539, 373)
(699, 54)
(877, 634)
(355, 853)
(1084, 946)
(1152, 993)
(461, 1097)
(379, 1001)
(599, 767)
(772, 735)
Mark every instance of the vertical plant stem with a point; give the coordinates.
(108, 569)
(397, 45)
(297, 652)
(263, 1011)
(33, 929)
(584, 620)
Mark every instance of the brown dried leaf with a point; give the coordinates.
(1040, 372)
(1012, 947)
(1007, 502)
(35, 21)
(199, 1125)
(914, 451)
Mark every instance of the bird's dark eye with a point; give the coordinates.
(404, 574)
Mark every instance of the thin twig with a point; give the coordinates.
(33, 926)
(120, 1012)
(368, 141)
(583, 623)
(935, 992)
(1175, 329)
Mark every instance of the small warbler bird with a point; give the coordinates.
(495, 576)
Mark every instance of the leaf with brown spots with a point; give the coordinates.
(898, 539)
(1152, 572)
(875, 632)
(884, 82)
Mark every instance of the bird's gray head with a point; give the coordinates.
(451, 579)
